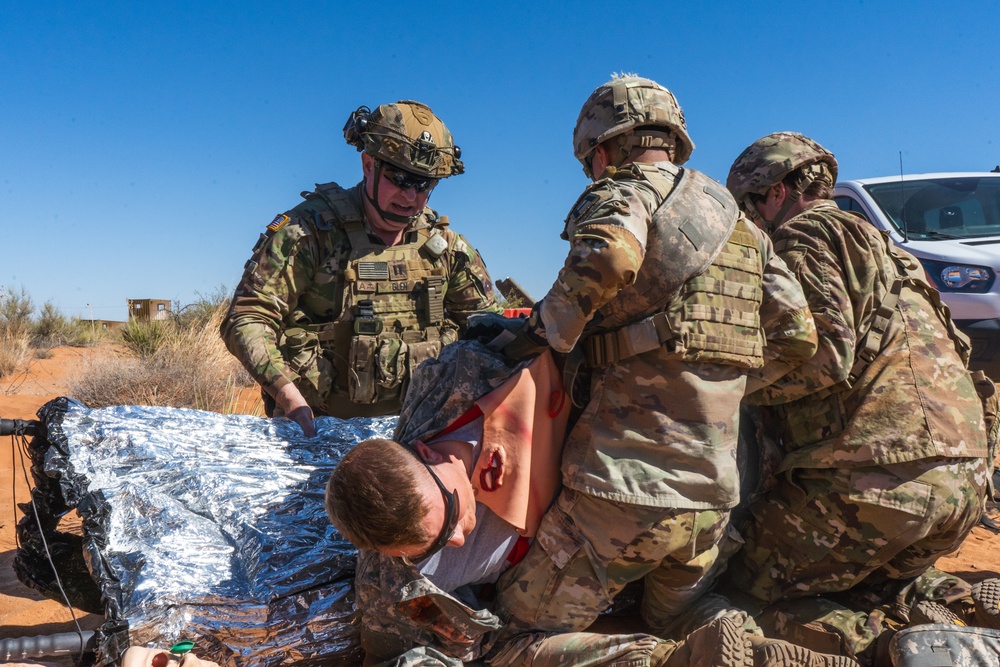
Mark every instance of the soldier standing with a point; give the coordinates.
(350, 290)
(882, 430)
(666, 290)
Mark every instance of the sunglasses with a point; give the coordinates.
(451, 512)
(404, 180)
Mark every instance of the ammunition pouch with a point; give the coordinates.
(379, 366)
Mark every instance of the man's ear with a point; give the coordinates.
(368, 166)
(779, 191)
(426, 453)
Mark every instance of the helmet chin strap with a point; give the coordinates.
(386, 215)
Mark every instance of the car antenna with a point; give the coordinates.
(902, 202)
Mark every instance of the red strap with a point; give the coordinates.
(469, 417)
(519, 550)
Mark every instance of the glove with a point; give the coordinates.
(485, 327)
(527, 342)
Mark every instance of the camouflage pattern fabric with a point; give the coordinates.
(938, 645)
(587, 549)
(916, 400)
(651, 461)
(822, 530)
(879, 474)
(407, 621)
(295, 279)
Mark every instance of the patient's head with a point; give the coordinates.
(385, 497)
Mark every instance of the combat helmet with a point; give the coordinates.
(631, 105)
(407, 135)
(770, 159)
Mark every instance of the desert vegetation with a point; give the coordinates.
(177, 362)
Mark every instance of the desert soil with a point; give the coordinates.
(24, 612)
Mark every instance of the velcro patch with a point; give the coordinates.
(279, 221)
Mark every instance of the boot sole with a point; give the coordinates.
(784, 654)
(933, 612)
(986, 595)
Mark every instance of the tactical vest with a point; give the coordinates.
(391, 314)
(701, 281)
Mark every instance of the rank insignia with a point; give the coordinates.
(278, 222)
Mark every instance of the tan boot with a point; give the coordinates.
(779, 653)
(720, 643)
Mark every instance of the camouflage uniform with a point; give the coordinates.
(663, 289)
(405, 619)
(325, 304)
(882, 430)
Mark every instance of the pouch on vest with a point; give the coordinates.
(361, 369)
(303, 353)
(390, 363)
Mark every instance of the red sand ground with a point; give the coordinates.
(23, 612)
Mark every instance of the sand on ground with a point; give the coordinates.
(25, 612)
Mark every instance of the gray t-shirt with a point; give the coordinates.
(483, 557)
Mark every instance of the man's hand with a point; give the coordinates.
(294, 407)
(526, 343)
(486, 327)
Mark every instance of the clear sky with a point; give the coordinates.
(144, 146)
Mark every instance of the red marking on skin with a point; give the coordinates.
(160, 660)
(556, 402)
(489, 474)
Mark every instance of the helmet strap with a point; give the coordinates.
(391, 217)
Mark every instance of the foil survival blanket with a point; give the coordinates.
(207, 527)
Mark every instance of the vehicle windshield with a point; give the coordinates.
(962, 207)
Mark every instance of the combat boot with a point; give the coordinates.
(934, 612)
(986, 596)
(779, 653)
(720, 643)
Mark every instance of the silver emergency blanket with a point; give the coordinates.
(211, 528)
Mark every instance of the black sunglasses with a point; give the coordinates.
(404, 180)
(450, 517)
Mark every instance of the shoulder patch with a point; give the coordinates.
(598, 195)
(279, 221)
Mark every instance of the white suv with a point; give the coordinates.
(951, 223)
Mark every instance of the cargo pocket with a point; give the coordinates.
(303, 353)
(810, 420)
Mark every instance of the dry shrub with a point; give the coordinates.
(187, 367)
(15, 348)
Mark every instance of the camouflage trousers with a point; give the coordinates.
(821, 530)
(587, 549)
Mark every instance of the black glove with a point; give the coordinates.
(527, 342)
(486, 326)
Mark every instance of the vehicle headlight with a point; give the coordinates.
(948, 277)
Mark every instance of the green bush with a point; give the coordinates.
(144, 338)
(16, 309)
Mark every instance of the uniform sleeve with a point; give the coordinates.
(281, 268)
(470, 288)
(607, 232)
(789, 330)
(809, 252)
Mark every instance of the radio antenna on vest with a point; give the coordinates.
(902, 201)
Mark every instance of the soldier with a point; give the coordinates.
(450, 503)
(350, 290)
(882, 430)
(668, 292)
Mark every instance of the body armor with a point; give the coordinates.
(389, 319)
(701, 292)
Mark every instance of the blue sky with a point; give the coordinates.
(144, 148)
